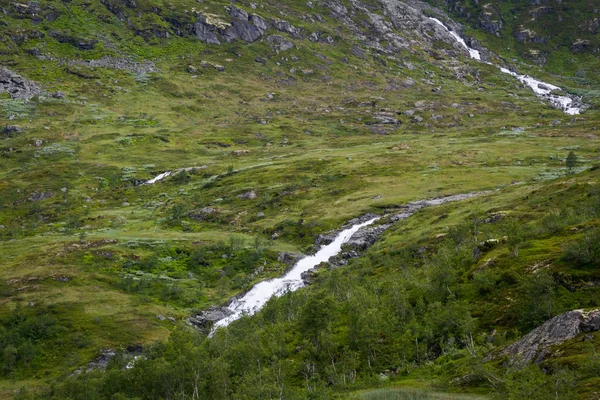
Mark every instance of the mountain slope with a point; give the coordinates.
(302, 117)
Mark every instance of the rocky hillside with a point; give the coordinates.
(562, 36)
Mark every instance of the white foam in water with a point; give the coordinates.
(472, 52)
(256, 298)
(541, 89)
(157, 178)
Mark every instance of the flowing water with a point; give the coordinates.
(541, 89)
(256, 298)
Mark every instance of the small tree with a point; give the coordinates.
(571, 161)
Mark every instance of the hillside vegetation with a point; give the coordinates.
(302, 117)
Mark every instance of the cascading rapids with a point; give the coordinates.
(541, 89)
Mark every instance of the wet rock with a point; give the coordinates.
(191, 69)
(207, 318)
(535, 346)
(365, 237)
(308, 277)
(289, 258)
(161, 317)
(326, 238)
(17, 86)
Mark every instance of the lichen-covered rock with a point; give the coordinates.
(206, 32)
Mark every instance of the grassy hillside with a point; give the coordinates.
(322, 132)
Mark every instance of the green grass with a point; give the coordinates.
(411, 394)
(315, 163)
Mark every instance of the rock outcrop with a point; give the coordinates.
(535, 346)
(212, 29)
(207, 318)
(17, 86)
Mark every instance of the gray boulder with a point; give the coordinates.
(279, 43)
(206, 32)
(248, 195)
(38, 196)
(259, 22)
(285, 26)
(365, 237)
(238, 13)
(289, 258)
(17, 86)
(207, 318)
(243, 30)
(535, 346)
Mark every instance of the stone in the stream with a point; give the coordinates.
(206, 318)
(309, 276)
(365, 237)
(289, 258)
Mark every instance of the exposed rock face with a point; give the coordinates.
(535, 345)
(17, 86)
(206, 32)
(242, 26)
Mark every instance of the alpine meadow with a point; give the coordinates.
(294, 199)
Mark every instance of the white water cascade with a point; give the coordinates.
(256, 298)
(541, 89)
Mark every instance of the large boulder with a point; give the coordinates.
(535, 346)
(17, 86)
(365, 237)
(206, 319)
